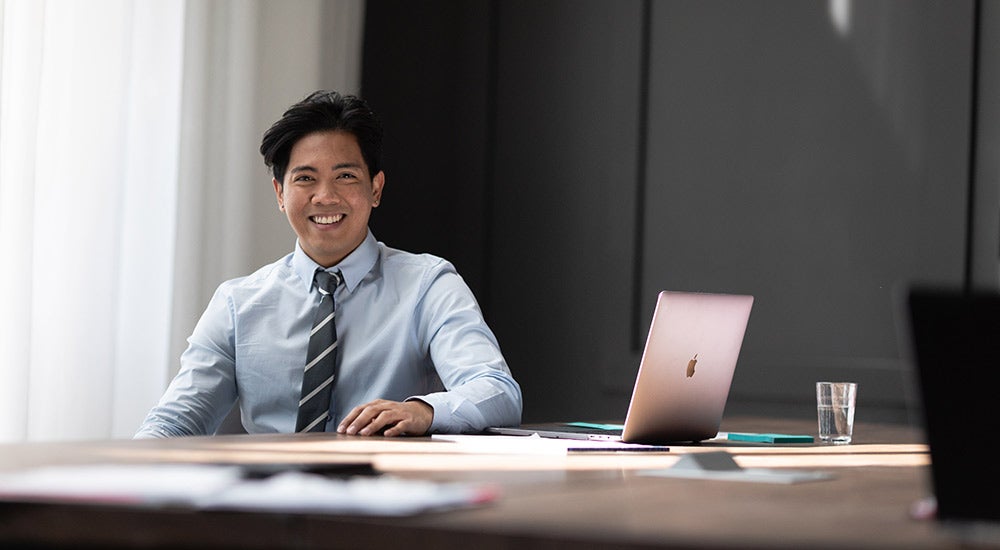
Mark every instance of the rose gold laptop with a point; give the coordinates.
(684, 376)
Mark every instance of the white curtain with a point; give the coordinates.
(130, 186)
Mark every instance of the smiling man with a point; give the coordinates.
(345, 333)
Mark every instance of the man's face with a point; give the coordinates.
(328, 195)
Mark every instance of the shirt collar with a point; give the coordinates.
(353, 268)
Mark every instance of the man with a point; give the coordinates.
(407, 347)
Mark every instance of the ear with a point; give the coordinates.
(279, 193)
(377, 183)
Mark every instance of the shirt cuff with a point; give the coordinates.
(452, 413)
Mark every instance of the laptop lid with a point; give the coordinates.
(687, 367)
(955, 339)
(684, 375)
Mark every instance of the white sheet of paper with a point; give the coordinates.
(202, 486)
(530, 444)
(721, 466)
(755, 475)
(301, 492)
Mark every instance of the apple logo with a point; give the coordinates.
(691, 364)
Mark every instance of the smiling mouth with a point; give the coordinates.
(326, 220)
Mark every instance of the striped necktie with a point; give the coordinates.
(317, 380)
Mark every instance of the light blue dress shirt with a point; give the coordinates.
(408, 327)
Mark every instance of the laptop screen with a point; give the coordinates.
(956, 344)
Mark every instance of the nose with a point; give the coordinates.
(326, 193)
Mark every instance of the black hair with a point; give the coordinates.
(323, 111)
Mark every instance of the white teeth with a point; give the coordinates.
(327, 219)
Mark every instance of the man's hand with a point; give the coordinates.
(407, 418)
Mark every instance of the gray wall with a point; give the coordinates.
(585, 154)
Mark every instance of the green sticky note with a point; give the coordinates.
(770, 438)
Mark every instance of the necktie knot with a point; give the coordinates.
(326, 282)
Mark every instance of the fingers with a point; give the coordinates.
(359, 420)
(395, 418)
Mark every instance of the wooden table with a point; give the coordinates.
(573, 501)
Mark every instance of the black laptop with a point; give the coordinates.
(955, 337)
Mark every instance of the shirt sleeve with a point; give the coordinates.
(204, 390)
(479, 389)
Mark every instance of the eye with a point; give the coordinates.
(303, 178)
(347, 177)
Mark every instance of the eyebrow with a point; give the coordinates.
(303, 168)
(309, 168)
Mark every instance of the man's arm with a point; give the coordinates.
(480, 390)
(204, 390)
(451, 331)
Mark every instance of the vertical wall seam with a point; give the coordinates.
(970, 214)
(639, 232)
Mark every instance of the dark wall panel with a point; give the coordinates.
(568, 92)
(818, 161)
(427, 72)
(812, 153)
